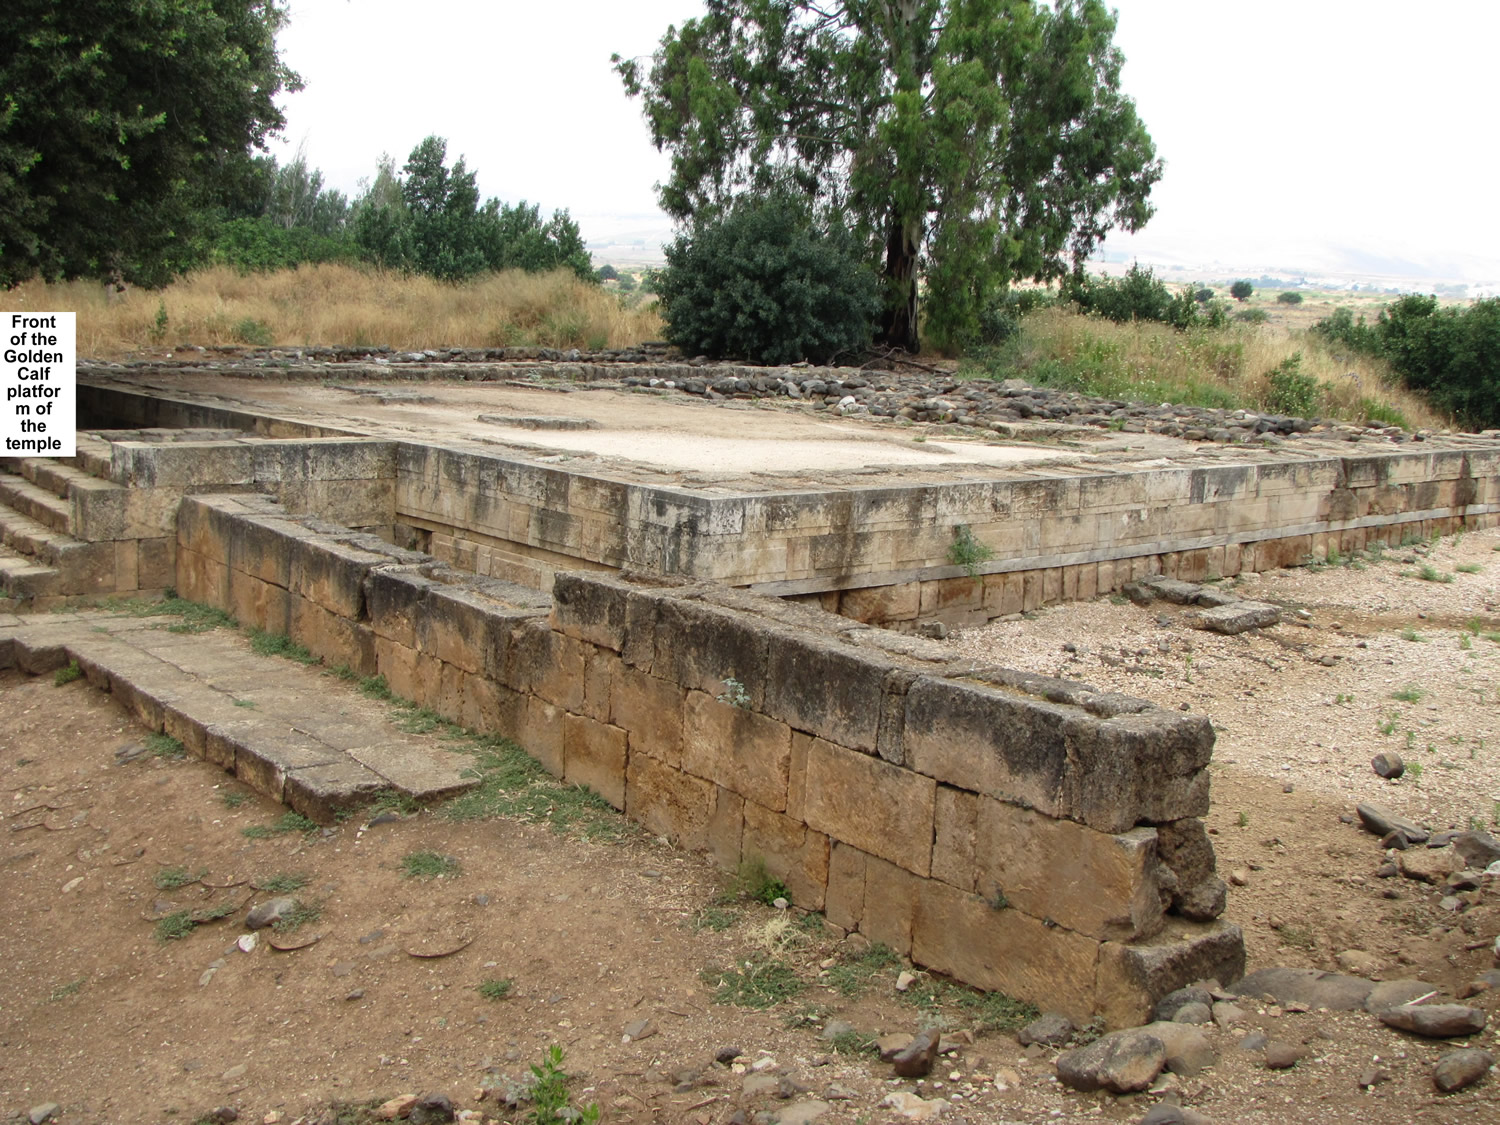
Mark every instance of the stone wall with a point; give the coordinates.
(1020, 833)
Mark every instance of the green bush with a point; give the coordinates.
(1251, 316)
(1002, 320)
(1293, 391)
(1241, 290)
(1340, 327)
(768, 283)
(1289, 298)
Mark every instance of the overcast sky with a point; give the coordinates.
(1328, 136)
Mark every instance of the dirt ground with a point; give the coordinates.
(600, 927)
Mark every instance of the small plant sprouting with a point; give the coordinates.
(1414, 771)
(549, 1095)
(428, 865)
(1468, 568)
(753, 880)
(1244, 820)
(968, 552)
(67, 674)
(1410, 634)
(1430, 573)
(233, 798)
(998, 901)
(1387, 726)
(284, 882)
(735, 694)
(175, 926)
(298, 916)
(495, 988)
(1411, 693)
(165, 746)
(171, 878)
(288, 822)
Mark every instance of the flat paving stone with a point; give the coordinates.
(310, 742)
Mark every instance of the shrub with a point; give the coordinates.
(1293, 391)
(1002, 320)
(1204, 295)
(767, 282)
(1139, 295)
(1251, 316)
(1340, 327)
(1289, 298)
(1241, 290)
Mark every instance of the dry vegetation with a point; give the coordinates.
(1229, 368)
(346, 305)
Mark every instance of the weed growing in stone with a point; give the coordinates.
(194, 617)
(279, 644)
(734, 693)
(394, 800)
(428, 865)
(170, 878)
(759, 982)
(67, 674)
(550, 1104)
(165, 746)
(284, 882)
(753, 880)
(968, 552)
(495, 988)
(946, 1003)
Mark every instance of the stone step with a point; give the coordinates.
(91, 460)
(21, 495)
(24, 580)
(313, 743)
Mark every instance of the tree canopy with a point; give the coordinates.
(968, 142)
(120, 121)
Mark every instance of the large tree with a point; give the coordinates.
(120, 120)
(970, 142)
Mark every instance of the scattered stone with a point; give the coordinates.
(1122, 1062)
(1426, 865)
(1372, 1076)
(1166, 1008)
(1194, 1013)
(1240, 876)
(1388, 764)
(1203, 902)
(235, 1073)
(431, 1109)
(1167, 1113)
(1359, 963)
(916, 1058)
(726, 1055)
(355, 994)
(911, 1107)
(1387, 871)
(1188, 1052)
(1478, 849)
(1228, 1015)
(1458, 1070)
(398, 1107)
(224, 1115)
(640, 1029)
(1238, 617)
(1281, 1055)
(837, 1093)
(835, 1028)
(129, 753)
(1311, 987)
(246, 943)
(892, 1045)
(1255, 1041)
(788, 1087)
(757, 1085)
(44, 1112)
(1396, 839)
(1381, 821)
(1052, 1029)
(803, 1112)
(905, 980)
(1435, 1021)
(269, 913)
(1394, 993)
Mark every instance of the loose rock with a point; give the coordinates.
(911, 1107)
(1122, 1062)
(916, 1058)
(1381, 821)
(431, 1109)
(1458, 1070)
(1052, 1029)
(1435, 1021)
(269, 913)
(1281, 1056)
(1388, 764)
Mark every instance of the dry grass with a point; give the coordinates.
(1151, 362)
(345, 305)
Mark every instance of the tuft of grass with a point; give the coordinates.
(284, 882)
(233, 798)
(193, 617)
(514, 784)
(1300, 936)
(67, 674)
(288, 822)
(1468, 568)
(376, 688)
(63, 991)
(852, 975)
(759, 982)
(495, 988)
(175, 926)
(753, 880)
(1410, 634)
(170, 878)
(1430, 573)
(947, 1003)
(1411, 693)
(301, 914)
(165, 746)
(852, 1043)
(279, 644)
(395, 801)
(715, 918)
(428, 865)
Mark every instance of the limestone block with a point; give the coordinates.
(547, 664)
(157, 562)
(651, 710)
(202, 580)
(890, 904)
(257, 604)
(398, 664)
(1005, 950)
(944, 595)
(878, 605)
(726, 828)
(793, 853)
(332, 575)
(451, 627)
(955, 838)
(262, 548)
(594, 755)
(1131, 978)
(395, 597)
(1102, 885)
(668, 802)
(323, 793)
(738, 749)
(1110, 774)
(828, 690)
(601, 668)
(490, 708)
(880, 808)
(201, 526)
(335, 639)
(844, 904)
(541, 733)
(127, 562)
(589, 608)
(183, 466)
(700, 646)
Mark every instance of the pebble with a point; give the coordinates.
(916, 1058)
(1281, 1055)
(1388, 764)
(268, 913)
(355, 994)
(44, 1112)
(640, 1029)
(1435, 1021)
(726, 1055)
(1052, 1029)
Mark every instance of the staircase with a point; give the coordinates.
(56, 543)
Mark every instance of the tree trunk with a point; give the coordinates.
(898, 324)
